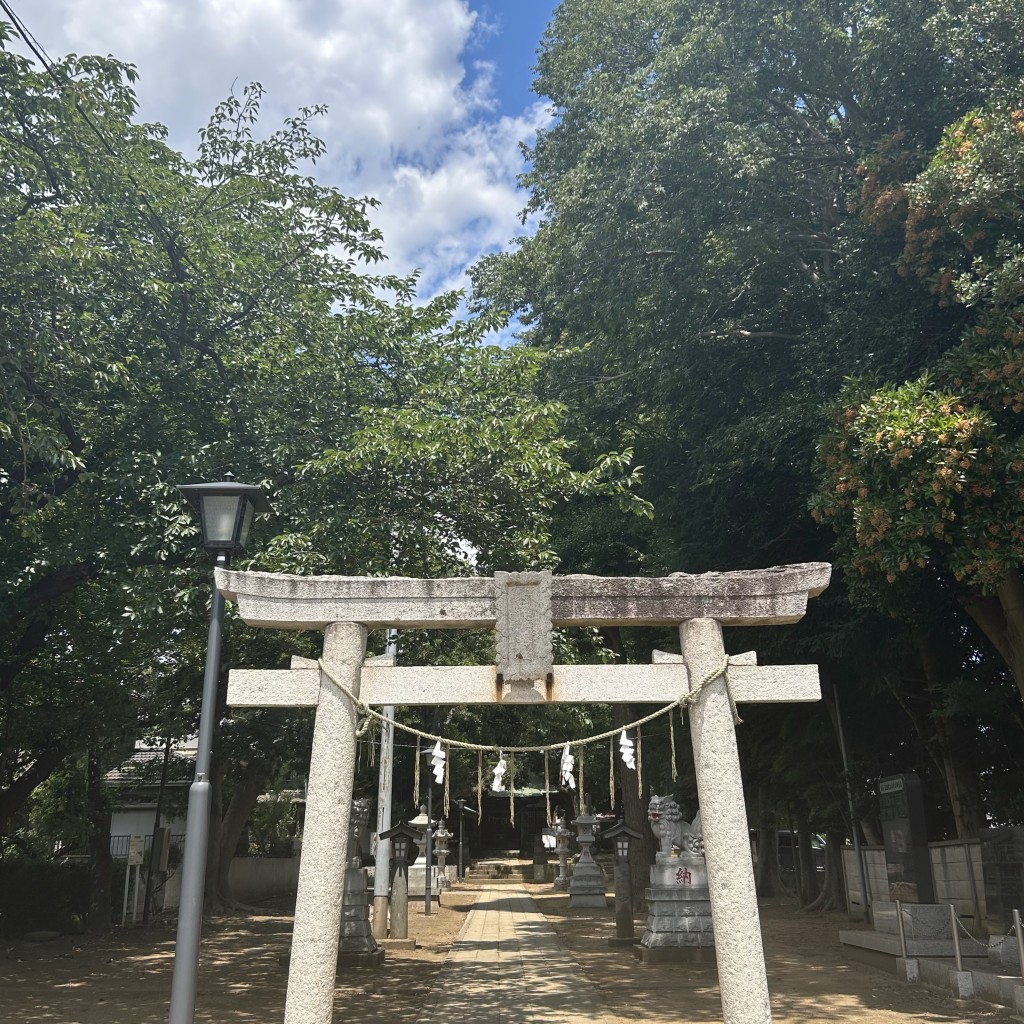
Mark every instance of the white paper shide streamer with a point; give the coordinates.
(437, 760)
(566, 767)
(626, 750)
(498, 785)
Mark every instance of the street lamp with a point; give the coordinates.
(403, 850)
(622, 835)
(460, 873)
(226, 510)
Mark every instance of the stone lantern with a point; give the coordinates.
(441, 838)
(562, 836)
(586, 888)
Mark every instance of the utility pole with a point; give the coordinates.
(858, 853)
(382, 858)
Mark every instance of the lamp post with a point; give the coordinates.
(403, 849)
(460, 873)
(226, 510)
(621, 835)
(428, 839)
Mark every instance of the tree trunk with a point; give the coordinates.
(963, 786)
(211, 898)
(832, 896)
(151, 867)
(767, 879)
(100, 861)
(872, 837)
(243, 799)
(634, 802)
(15, 796)
(634, 814)
(807, 871)
(1001, 618)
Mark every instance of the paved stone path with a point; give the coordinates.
(508, 967)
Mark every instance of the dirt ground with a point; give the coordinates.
(126, 979)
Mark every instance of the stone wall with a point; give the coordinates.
(957, 880)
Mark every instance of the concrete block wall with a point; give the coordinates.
(951, 869)
(877, 877)
(958, 880)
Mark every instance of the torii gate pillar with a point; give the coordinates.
(738, 946)
(314, 955)
(523, 607)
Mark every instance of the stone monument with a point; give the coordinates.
(357, 947)
(678, 902)
(587, 885)
(905, 836)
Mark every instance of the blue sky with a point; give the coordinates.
(428, 99)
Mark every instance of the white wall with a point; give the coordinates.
(138, 821)
(135, 821)
(250, 878)
(958, 880)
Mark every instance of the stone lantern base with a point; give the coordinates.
(587, 885)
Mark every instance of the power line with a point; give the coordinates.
(41, 55)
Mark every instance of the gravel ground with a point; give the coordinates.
(125, 978)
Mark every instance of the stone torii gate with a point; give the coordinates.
(523, 608)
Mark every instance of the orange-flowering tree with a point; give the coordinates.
(927, 477)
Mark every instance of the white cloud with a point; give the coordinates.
(411, 121)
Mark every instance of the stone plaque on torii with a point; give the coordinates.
(523, 608)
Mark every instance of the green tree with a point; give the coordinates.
(164, 320)
(923, 479)
(723, 199)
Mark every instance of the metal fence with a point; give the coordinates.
(119, 845)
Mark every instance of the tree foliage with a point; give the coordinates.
(924, 478)
(743, 208)
(166, 319)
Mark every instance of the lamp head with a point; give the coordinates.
(226, 509)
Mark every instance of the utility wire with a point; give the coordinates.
(41, 55)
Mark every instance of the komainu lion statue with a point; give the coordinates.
(675, 835)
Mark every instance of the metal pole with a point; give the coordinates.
(857, 852)
(197, 831)
(429, 845)
(462, 813)
(382, 858)
(956, 938)
(1020, 941)
(902, 929)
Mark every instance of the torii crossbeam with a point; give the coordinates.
(523, 608)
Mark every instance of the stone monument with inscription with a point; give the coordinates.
(905, 836)
(678, 901)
